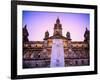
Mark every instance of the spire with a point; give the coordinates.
(25, 26)
(58, 21)
(87, 29)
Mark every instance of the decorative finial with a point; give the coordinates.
(57, 21)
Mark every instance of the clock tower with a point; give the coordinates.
(57, 28)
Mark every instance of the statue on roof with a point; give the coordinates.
(86, 35)
(46, 34)
(68, 36)
(25, 34)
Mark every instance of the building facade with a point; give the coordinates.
(38, 53)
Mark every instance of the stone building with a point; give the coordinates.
(38, 53)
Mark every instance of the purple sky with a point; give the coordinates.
(39, 22)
